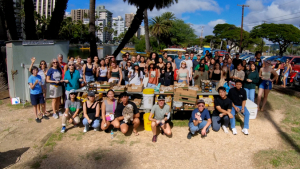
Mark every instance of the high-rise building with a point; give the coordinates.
(104, 16)
(79, 14)
(44, 7)
(128, 19)
(142, 30)
(100, 23)
(118, 25)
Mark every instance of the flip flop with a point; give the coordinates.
(136, 133)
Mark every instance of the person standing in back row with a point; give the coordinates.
(88, 71)
(258, 61)
(236, 61)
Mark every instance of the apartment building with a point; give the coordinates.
(79, 14)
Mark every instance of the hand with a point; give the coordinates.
(190, 78)
(71, 121)
(37, 81)
(80, 80)
(90, 121)
(32, 59)
(56, 82)
(197, 77)
(203, 132)
(221, 115)
(230, 116)
(236, 109)
(98, 69)
(242, 110)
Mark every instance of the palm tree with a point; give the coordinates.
(85, 15)
(168, 16)
(56, 19)
(147, 39)
(93, 45)
(139, 16)
(30, 25)
(158, 27)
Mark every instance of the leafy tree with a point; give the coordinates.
(138, 18)
(93, 45)
(56, 19)
(283, 34)
(159, 26)
(181, 33)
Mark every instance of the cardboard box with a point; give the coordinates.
(119, 89)
(166, 89)
(189, 94)
(104, 84)
(137, 102)
(135, 88)
(182, 85)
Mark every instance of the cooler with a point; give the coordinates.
(252, 108)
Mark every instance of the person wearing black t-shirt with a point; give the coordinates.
(119, 116)
(258, 62)
(238, 96)
(222, 112)
(236, 61)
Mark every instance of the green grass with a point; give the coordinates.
(56, 136)
(30, 120)
(37, 164)
(7, 129)
(133, 142)
(1, 102)
(78, 136)
(19, 106)
(180, 123)
(49, 101)
(44, 156)
(288, 157)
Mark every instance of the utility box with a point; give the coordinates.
(19, 54)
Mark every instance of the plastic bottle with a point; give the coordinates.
(112, 133)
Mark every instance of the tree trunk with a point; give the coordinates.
(3, 35)
(56, 19)
(135, 24)
(30, 25)
(147, 40)
(93, 46)
(9, 14)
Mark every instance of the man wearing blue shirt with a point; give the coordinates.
(200, 120)
(72, 79)
(178, 61)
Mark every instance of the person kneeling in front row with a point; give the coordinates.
(222, 112)
(161, 112)
(91, 113)
(238, 96)
(72, 107)
(200, 120)
(127, 107)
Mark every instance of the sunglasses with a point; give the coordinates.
(201, 105)
(72, 93)
(225, 62)
(71, 65)
(43, 64)
(55, 62)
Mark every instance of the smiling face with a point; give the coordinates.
(252, 67)
(89, 60)
(161, 103)
(124, 99)
(102, 62)
(54, 63)
(200, 106)
(78, 60)
(111, 95)
(183, 65)
(96, 59)
(142, 60)
(160, 60)
(238, 85)
(222, 94)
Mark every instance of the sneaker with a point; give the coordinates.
(75, 126)
(234, 132)
(86, 129)
(96, 129)
(60, 113)
(245, 131)
(38, 120)
(224, 129)
(45, 117)
(63, 129)
(154, 139)
(55, 116)
(190, 135)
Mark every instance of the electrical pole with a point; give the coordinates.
(262, 41)
(201, 37)
(243, 6)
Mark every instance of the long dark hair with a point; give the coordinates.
(104, 62)
(156, 57)
(216, 65)
(41, 63)
(154, 67)
(166, 67)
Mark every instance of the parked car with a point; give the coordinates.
(296, 81)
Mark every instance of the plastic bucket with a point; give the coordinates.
(147, 122)
(148, 91)
(148, 100)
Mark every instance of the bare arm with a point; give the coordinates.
(97, 110)
(158, 75)
(150, 117)
(243, 105)
(103, 112)
(76, 113)
(275, 75)
(32, 86)
(83, 73)
(97, 72)
(207, 124)
(224, 112)
(85, 112)
(121, 76)
(65, 68)
(51, 81)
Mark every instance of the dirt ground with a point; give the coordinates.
(26, 144)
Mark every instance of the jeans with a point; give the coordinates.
(89, 78)
(246, 117)
(179, 81)
(126, 82)
(95, 124)
(200, 126)
(217, 121)
(250, 94)
(151, 85)
(193, 82)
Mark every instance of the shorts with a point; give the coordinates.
(266, 84)
(179, 81)
(286, 74)
(55, 91)
(89, 78)
(151, 85)
(102, 78)
(37, 99)
(112, 80)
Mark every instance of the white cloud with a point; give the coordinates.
(120, 8)
(208, 28)
(279, 11)
(255, 5)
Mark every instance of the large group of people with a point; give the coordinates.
(65, 78)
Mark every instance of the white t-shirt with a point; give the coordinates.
(135, 78)
(43, 76)
(189, 65)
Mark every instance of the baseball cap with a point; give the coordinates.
(91, 94)
(73, 91)
(135, 64)
(268, 61)
(161, 97)
(202, 65)
(200, 101)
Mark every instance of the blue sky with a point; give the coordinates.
(208, 13)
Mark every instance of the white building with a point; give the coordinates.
(102, 36)
(118, 24)
(44, 7)
(104, 17)
(142, 30)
